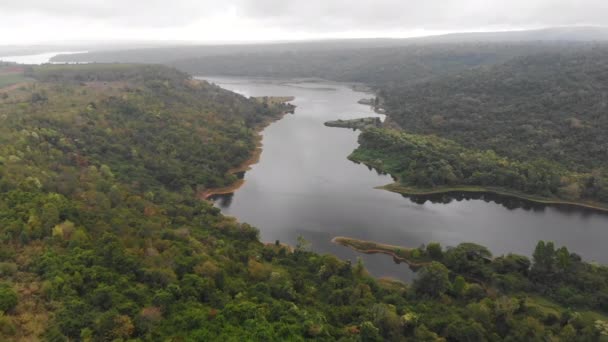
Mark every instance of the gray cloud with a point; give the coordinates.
(127, 13)
(310, 18)
(428, 14)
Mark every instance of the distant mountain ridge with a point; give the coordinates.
(580, 33)
(166, 54)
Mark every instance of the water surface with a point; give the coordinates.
(304, 185)
(39, 58)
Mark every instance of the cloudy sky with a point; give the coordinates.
(31, 21)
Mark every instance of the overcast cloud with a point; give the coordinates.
(28, 21)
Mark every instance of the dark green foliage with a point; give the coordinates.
(469, 259)
(427, 162)
(432, 280)
(546, 105)
(379, 65)
(434, 251)
(8, 298)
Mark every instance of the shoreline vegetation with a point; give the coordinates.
(415, 258)
(396, 187)
(257, 152)
(427, 165)
(477, 267)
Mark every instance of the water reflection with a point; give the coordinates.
(509, 202)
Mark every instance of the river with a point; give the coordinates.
(304, 185)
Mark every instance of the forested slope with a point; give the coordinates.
(376, 66)
(102, 237)
(427, 164)
(548, 105)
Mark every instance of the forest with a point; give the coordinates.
(103, 237)
(547, 105)
(426, 162)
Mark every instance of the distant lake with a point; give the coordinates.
(40, 58)
(304, 185)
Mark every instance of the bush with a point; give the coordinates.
(7, 269)
(433, 280)
(474, 292)
(7, 328)
(8, 298)
(434, 250)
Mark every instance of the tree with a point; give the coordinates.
(8, 298)
(369, 333)
(302, 245)
(563, 261)
(359, 269)
(423, 334)
(434, 251)
(544, 259)
(459, 286)
(465, 331)
(433, 280)
(470, 259)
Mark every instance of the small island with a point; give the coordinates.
(368, 102)
(361, 123)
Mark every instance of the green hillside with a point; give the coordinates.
(103, 238)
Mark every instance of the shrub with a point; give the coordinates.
(8, 298)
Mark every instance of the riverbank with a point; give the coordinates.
(410, 191)
(256, 153)
(391, 152)
(399, 254)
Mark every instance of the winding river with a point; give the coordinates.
(304, 185)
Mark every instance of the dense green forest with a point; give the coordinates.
(376, 66)
(548, 105)
(103, 238)
(427, 162)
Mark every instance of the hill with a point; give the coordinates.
(177, 52)
(548, 105)
(103, 237)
